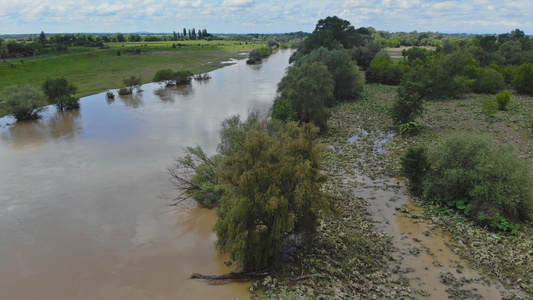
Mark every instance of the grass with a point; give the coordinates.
(95, 70)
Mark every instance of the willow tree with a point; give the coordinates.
(272, 191)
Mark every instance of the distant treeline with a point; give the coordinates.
(59, 43)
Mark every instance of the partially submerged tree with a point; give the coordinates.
(131, 83)
(308, 88)
(23, 102)
(272, 192)
(60, 92)
(165, 76)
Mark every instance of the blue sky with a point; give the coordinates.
(267, 16)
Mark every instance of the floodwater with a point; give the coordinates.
(422, 252)
(83, 213)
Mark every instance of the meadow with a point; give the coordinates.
(95, 70)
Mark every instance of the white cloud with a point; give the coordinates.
(237, 2)
(478, 16)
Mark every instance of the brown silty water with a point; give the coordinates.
(82, 208)
(422, 252)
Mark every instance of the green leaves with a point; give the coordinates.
(273, 190)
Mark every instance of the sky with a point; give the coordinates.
(266, 16)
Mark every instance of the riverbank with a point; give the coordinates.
(385, 246)
(98, 70)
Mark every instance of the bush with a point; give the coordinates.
(468, 172)
(490, 107)
(124, 91)
(489, 81)
(503, 99)
(24, 102)
(414, 167)
(383, 70)
(60, 92)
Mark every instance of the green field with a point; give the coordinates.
(95, 70)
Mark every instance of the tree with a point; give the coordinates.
(42, 38)
(132, 83)
(183, 77)
(60, 92)
(307, 88)
(272, 192)
(348, 79)
(24, 102)
(120, 38)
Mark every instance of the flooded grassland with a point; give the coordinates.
(382, 244)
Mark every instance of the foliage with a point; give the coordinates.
(349, 80)
(255, 56)
(414, 167)
(467, 166)
(23, 102)
(272, 193)
(410, 128)
(124, 91)
(132, 83)
(488, 81)
(523, 79)
(307, 87)
(195, 174)
(415, 53)
(363, 55)
(383, 70)
(503, 99)
(183, 77)
(408, 104)
(165, 76)
(282, 110)
(490, 107)
(109, 94)
(60, 92)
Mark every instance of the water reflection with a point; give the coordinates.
(134, 100)
(61, 125)
(171, 93)
(80, 215)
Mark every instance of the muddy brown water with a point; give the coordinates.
(81, 213)
(423, 254)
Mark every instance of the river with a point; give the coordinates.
(83, 213)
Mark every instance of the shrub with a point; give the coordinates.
(467, 171)
(490, 107)
(24, 102)
(124, 91)
(523, 79)
(503, 99)
(414, 167)
(131, 83)
(410, 128)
